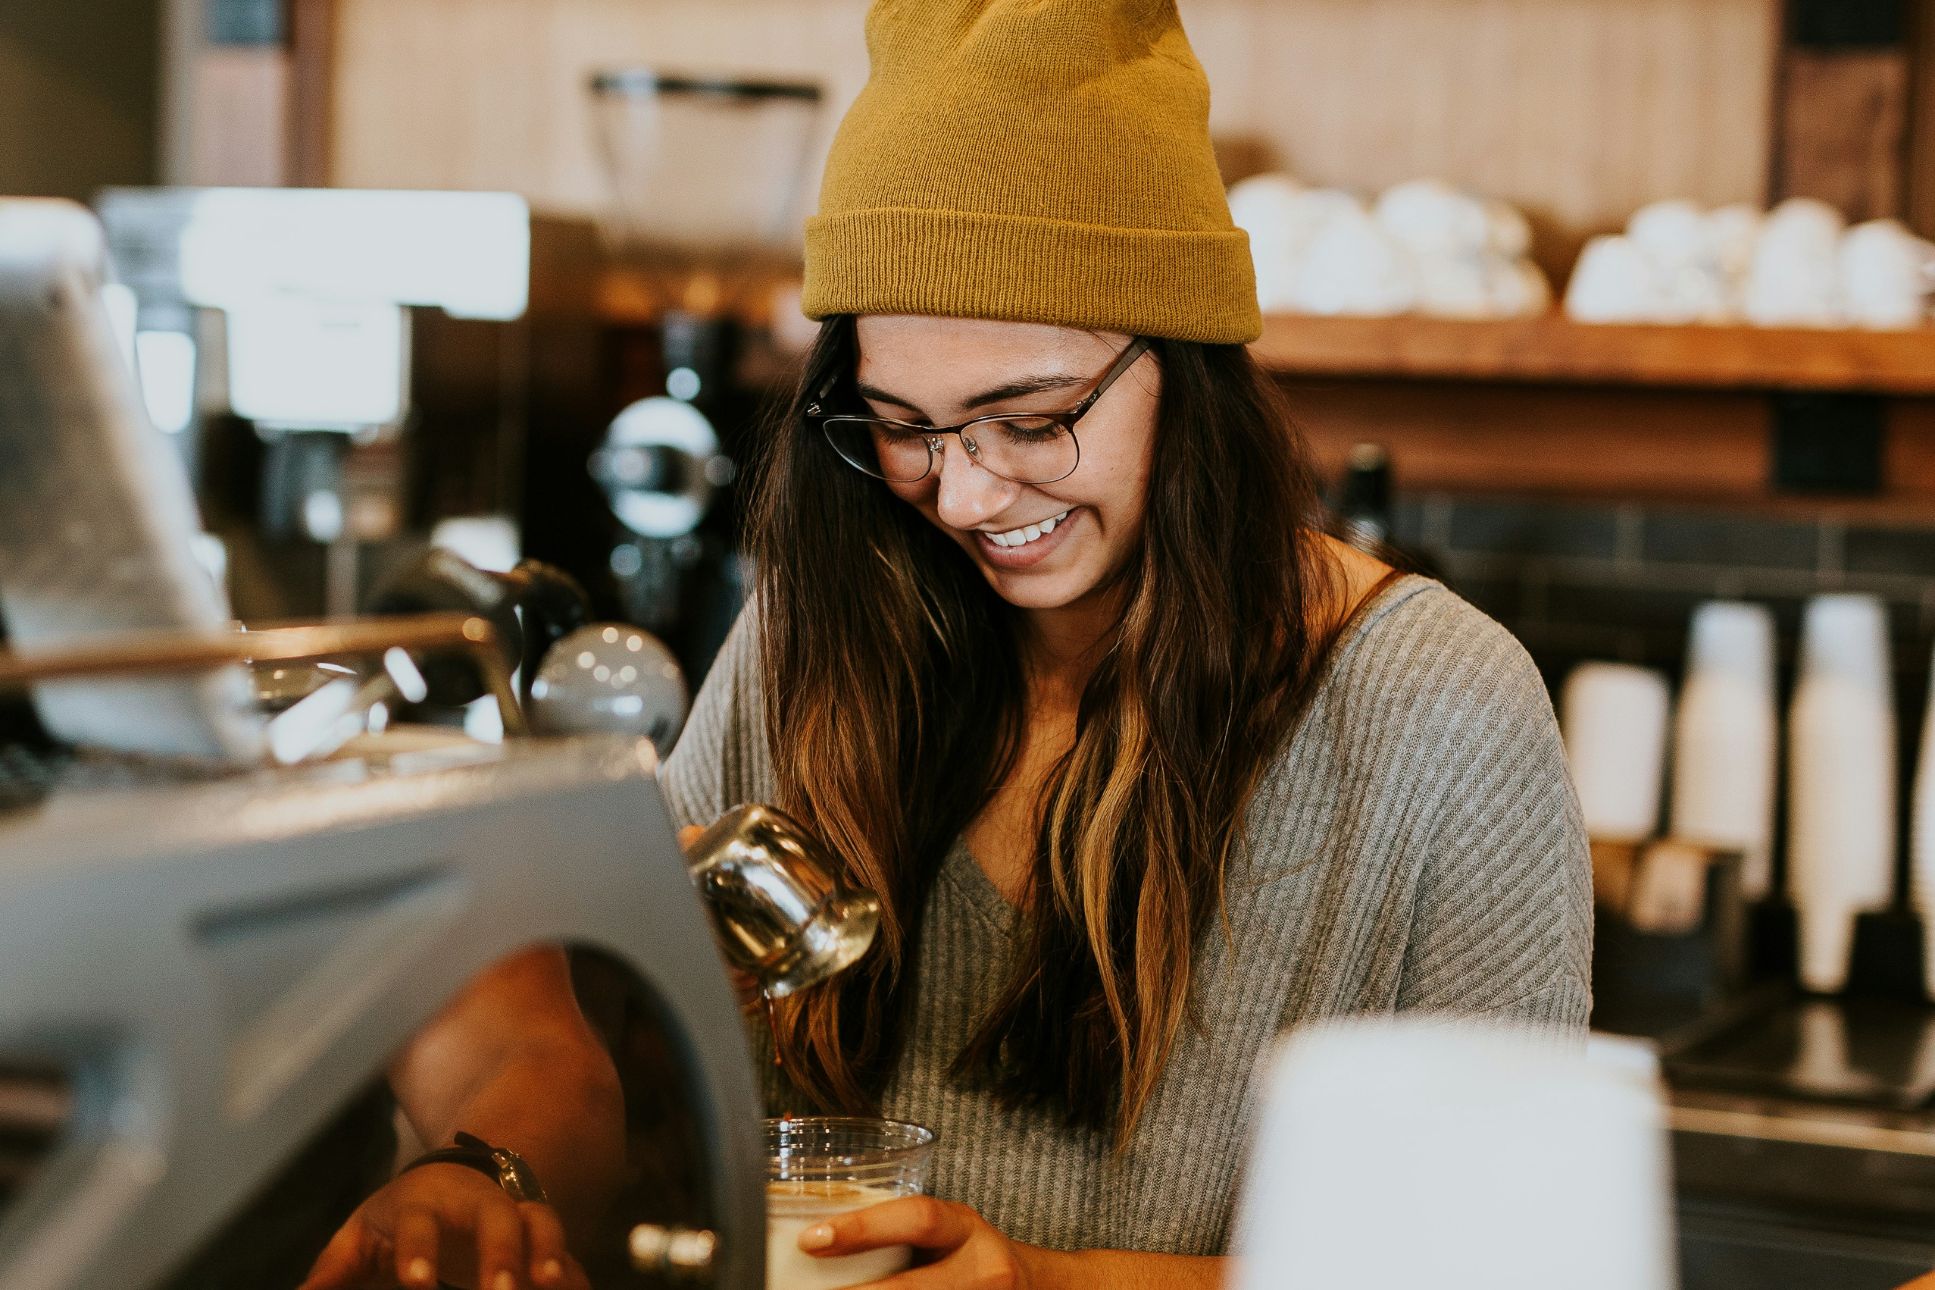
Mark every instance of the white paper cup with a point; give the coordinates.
(1725, 736)
(1841, 781)
(1921, 841)
(1614, 719)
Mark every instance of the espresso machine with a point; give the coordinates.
(273, 337)
(228, 906)
(209, 970)
(707, 178)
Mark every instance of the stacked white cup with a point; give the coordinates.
(1403, 1152)
(1725, 739)
(1614, 719)
(1921, 841)
(1841, 782)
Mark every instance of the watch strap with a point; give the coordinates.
(500, 1164)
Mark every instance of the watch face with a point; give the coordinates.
(516, 1177)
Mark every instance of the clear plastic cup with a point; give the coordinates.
(819, 1167)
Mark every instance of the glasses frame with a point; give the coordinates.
(933, 434)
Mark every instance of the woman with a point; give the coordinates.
(1048, 646)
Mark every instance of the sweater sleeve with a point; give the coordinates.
(1502, 923)
(721, 759)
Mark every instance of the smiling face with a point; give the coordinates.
(943, 371)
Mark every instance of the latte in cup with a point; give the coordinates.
(820, 1167)
(792, 1207)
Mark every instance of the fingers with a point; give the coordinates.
(689, 834)
(346, 1261)
(416, 1249)
(544, 1247)
(935, 1276)
(919, 1221)
(501, 1264)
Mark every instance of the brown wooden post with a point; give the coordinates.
(1842, 110)
(312, 91)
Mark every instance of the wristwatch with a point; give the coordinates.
(509, 1169)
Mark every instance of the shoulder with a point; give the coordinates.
(1420, 662)
(721, 758)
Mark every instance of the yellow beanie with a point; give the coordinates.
(1034, 160)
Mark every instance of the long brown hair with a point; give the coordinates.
(893, 709)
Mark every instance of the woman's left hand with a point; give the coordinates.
(955, 1248)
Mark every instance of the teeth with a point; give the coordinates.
(1027, 533)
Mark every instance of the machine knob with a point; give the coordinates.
(683, 1253)
(613, 678)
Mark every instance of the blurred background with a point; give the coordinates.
(1613, 314)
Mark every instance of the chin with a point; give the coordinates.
(1031, 592)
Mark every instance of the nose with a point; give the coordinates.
(968, 493)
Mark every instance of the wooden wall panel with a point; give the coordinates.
(1579, 109)
(492, 93)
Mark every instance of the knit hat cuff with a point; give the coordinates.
(1180, 284)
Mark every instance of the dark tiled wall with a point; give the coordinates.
(1578, 580)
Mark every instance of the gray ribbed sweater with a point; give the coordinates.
(1416, 846)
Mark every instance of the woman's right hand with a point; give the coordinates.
(743, 984)
(450, 1224)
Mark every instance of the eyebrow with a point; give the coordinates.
(1012, 390)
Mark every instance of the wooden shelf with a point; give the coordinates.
(1552, 349)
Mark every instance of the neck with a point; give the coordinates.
(1060, 647)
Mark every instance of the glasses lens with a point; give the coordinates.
(1028, 450)
(880, 448)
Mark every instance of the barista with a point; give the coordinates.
(1048, 645)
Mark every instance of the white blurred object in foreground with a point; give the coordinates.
(1726, 733)
(1841, 781)
(1614, 718)
(1398, 1153)
(1921, 840)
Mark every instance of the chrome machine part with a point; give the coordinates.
(609, 678)
(158, 653)
(680, 1253)
(660, 466)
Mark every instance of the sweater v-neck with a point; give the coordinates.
(972, 881)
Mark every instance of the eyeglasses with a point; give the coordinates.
(1027, 448)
